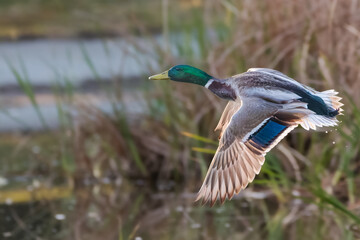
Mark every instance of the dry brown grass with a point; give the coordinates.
(316, 42)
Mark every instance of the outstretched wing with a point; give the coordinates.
(231, 108)
(250, 133)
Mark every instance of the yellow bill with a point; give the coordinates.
(161, 76)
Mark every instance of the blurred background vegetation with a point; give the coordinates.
(90, 149)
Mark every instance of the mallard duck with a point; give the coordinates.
(264, 106)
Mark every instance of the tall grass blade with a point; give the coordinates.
(332, 201)
(26, 86)
(204, 150)
(199, 138)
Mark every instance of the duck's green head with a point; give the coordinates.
(184, 73)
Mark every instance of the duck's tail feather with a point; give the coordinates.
(331, 99)
(312, 121)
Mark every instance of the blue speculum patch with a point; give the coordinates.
(265, 135)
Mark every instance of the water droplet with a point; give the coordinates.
(326, 132)
(60, 216)
(138, 238)
(333, 142)
(227, 225)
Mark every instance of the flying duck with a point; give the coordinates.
(264, 106)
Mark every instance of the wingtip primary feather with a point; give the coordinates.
(200, 194)
(331, 99)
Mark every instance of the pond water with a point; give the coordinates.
(114, 209)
